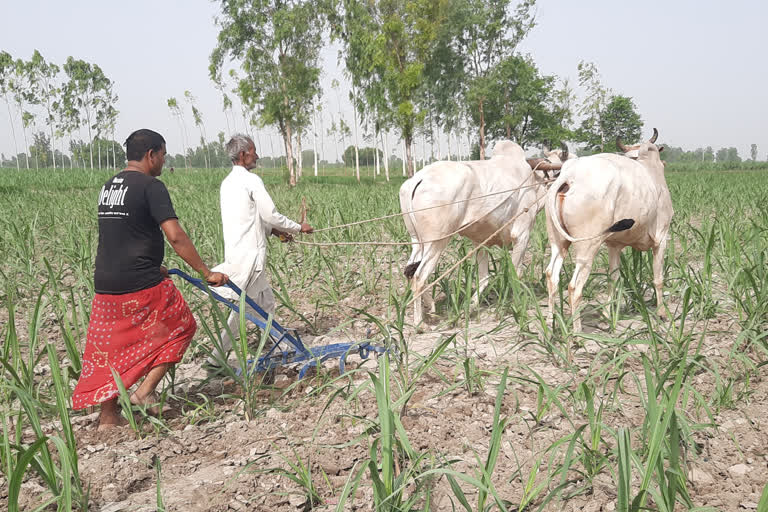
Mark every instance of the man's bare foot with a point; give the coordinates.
(110, 423)
(150, 401)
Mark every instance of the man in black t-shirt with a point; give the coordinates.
(140, 325)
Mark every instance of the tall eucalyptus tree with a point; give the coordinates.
(86, 90)
(6, 86)
(176, 112)
(18, 84)
(43, 81)
(388, 45)
(197, 117)
(276, 43)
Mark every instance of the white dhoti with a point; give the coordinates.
(259, 290)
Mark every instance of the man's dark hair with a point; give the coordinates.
(139, 142)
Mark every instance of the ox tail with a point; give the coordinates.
(560, 187)
(412, 266)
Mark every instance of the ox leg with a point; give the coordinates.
(521, 233)
(584, 258)
(658, 276)
(553, 279)
(430, 257)
(481, 256)
(614, 262)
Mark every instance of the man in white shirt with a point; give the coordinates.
(249, 216)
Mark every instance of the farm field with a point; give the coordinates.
(478, 410)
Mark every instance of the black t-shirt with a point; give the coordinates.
(132, 205)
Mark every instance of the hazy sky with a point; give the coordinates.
(695, 69)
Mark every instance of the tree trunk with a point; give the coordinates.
(506, 122)
(404, 159)
(272, 148)
(26, 146)
(114, 158)
(376, 155)
(469, 144)
(432, 144)
(482, 131)
(99, 156)
(314, 139)
(357, 155)
(90, 143)
(299, 156)
(13, 132)
(386, 155)
(408, 144)
(53, 148)
(289, 154)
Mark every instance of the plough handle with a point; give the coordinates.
(277, 331)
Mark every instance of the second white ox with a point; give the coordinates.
(473, 199)
(611, 199)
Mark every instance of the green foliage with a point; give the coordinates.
(40, 150)
(388, 47)
(729, 155)
(618, 118)
(42, 78)
(277, 46)
(86, 96)
(484, 38)
(697, 156)
(527, 108)
(366, 155)
(106, 153)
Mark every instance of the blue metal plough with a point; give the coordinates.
(287, 347)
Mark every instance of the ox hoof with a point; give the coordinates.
(662, 313)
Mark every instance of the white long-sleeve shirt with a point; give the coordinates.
(248, 215)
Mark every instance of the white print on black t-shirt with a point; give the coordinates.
(113, 196)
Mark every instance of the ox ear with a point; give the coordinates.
(661, 148)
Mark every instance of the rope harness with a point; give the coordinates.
(460, 229)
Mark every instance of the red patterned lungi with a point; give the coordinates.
(132, 333)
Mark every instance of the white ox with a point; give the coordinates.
(611, 199)
(448, 189)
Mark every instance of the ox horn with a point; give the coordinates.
(622, 147)
(542, 164)
(564, 152)
(654, 136)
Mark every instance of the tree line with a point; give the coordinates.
(434, 69)
(50, 107)
(438, 71)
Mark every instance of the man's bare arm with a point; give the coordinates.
(184, 247)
